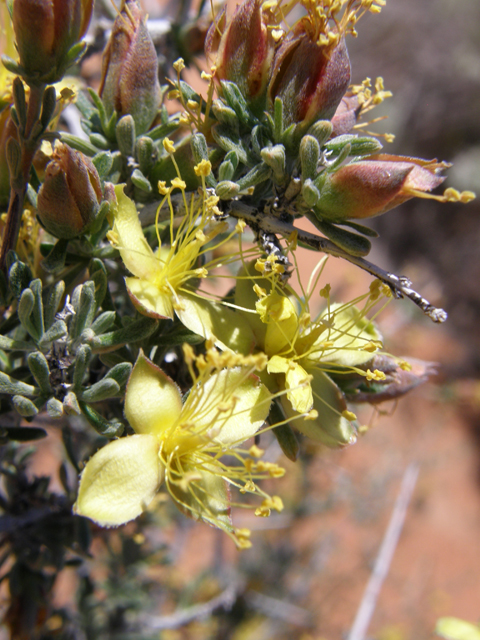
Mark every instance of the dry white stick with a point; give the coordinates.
(385, 555)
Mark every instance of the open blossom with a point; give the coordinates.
(180, 444)
(303, 352)
(163, 282)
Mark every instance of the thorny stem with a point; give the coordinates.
(29, 144)
(400, 285)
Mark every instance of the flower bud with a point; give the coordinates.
(401, 376)
(310, 78)
(371, 187)
(45, 31)
(245, 50)
(346, 115)
(130, 70)
(70, 197)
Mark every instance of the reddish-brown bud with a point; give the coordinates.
(346, 116)
(244, 50)
(401, 376)
(130, 70)
(311, 79)
(45, 31)
(70, 197)
(371, 187)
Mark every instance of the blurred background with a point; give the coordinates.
(305, 576)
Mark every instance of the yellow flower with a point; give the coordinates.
(162, 283)
(302, 352)
(182, 444)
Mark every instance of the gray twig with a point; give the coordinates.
(180, 618)
(279, 609)
(400, 285)
(385, 555)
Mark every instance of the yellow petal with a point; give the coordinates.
(229, 407)
(330, 427)
(135, 251)
(205, 498)
(277, 364)
(279, 313)
(227, 328)
(120, 480)
(351, 334)
(148, 298)
(152, 402)
(299, 390)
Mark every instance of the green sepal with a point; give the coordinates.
(309, 156)
(275, 158)
(37, 312)
(99, 277)
(85, 308)
(226, 190)
(74, 54)
(343, 154)
(228, 141)
(107, 428)
(310, 193)
(24, 406)
(49, 105)
(350, 242)
(18, 92)
(25, 308)
(11, 65)
(360, 146)
(146, 154)
(100, 141)
(137, 330)
(80, 144)
(54, 408)
(321, 130)
(55, 260)
(140, 181)
(38, 365)
(101, 390)
(15, 387)
(82, 360)
(125, 134)
(258, 174)
(235, 99)
(19, 277)
(200, 152)
(55, 332)
(225, 171)
(366, 231)
(9, 344)
(103, 162)
(225, 115)
(103, 322)
(120, 373)
(163, 130)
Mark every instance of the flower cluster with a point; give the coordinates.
(150, 215)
